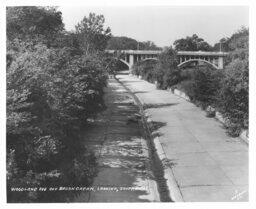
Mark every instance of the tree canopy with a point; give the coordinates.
(234, 94)
(92, 33)
(125, 43)
(238, 40)
(191, 43)
(122, 43)
(33, 23)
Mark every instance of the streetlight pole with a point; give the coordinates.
(221, 42)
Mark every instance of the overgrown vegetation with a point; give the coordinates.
(201, 84)
(164, 71)
(234, 92)
(226, 90)
(192, 43)
(54, 85)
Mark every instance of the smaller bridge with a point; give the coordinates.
(130, 57)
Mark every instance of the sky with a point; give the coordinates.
(165, 24)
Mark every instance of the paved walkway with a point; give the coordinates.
(206, 164)
(123, 162)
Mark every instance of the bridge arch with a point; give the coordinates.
(120, 60)
(123, 61)
(201, 60)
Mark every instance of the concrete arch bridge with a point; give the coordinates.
(130, 57)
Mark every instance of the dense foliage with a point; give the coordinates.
(234, 92)
(92, 34)
(167, 73)
(201, 84)
(33, 23)
(145, 69)
(53, 88)
(125, 43)
(228, 44)
(164, 71)
(193, 43)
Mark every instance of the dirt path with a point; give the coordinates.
(124, 173)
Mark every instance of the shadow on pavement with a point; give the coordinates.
(124, 82)
(140, 92)
(154, 126)
(147, 106)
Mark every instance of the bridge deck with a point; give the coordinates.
(203, 53)
(196, 53)
(136, 51)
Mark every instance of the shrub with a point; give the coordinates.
(146, 69)
(234, 94)
(234, 91)
(166, 71)
(206, 85)
(186, 86)
(201, 85)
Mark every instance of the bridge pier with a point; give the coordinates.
(220, 62)
(131, 60)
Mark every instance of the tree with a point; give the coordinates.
(148, 45)
(234, 92)
(125, 43)
(239, 44)
(206, 82)
(193, 43)
(122, 43)
(238, 40)
(167, 72)
(92, 34)
(33, 23)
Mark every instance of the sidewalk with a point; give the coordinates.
(121, 152)
(207, 165)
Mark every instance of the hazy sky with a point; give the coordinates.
(163, 25)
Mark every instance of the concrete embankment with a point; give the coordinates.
(204, 164)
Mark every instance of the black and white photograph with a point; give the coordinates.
(138, 103)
